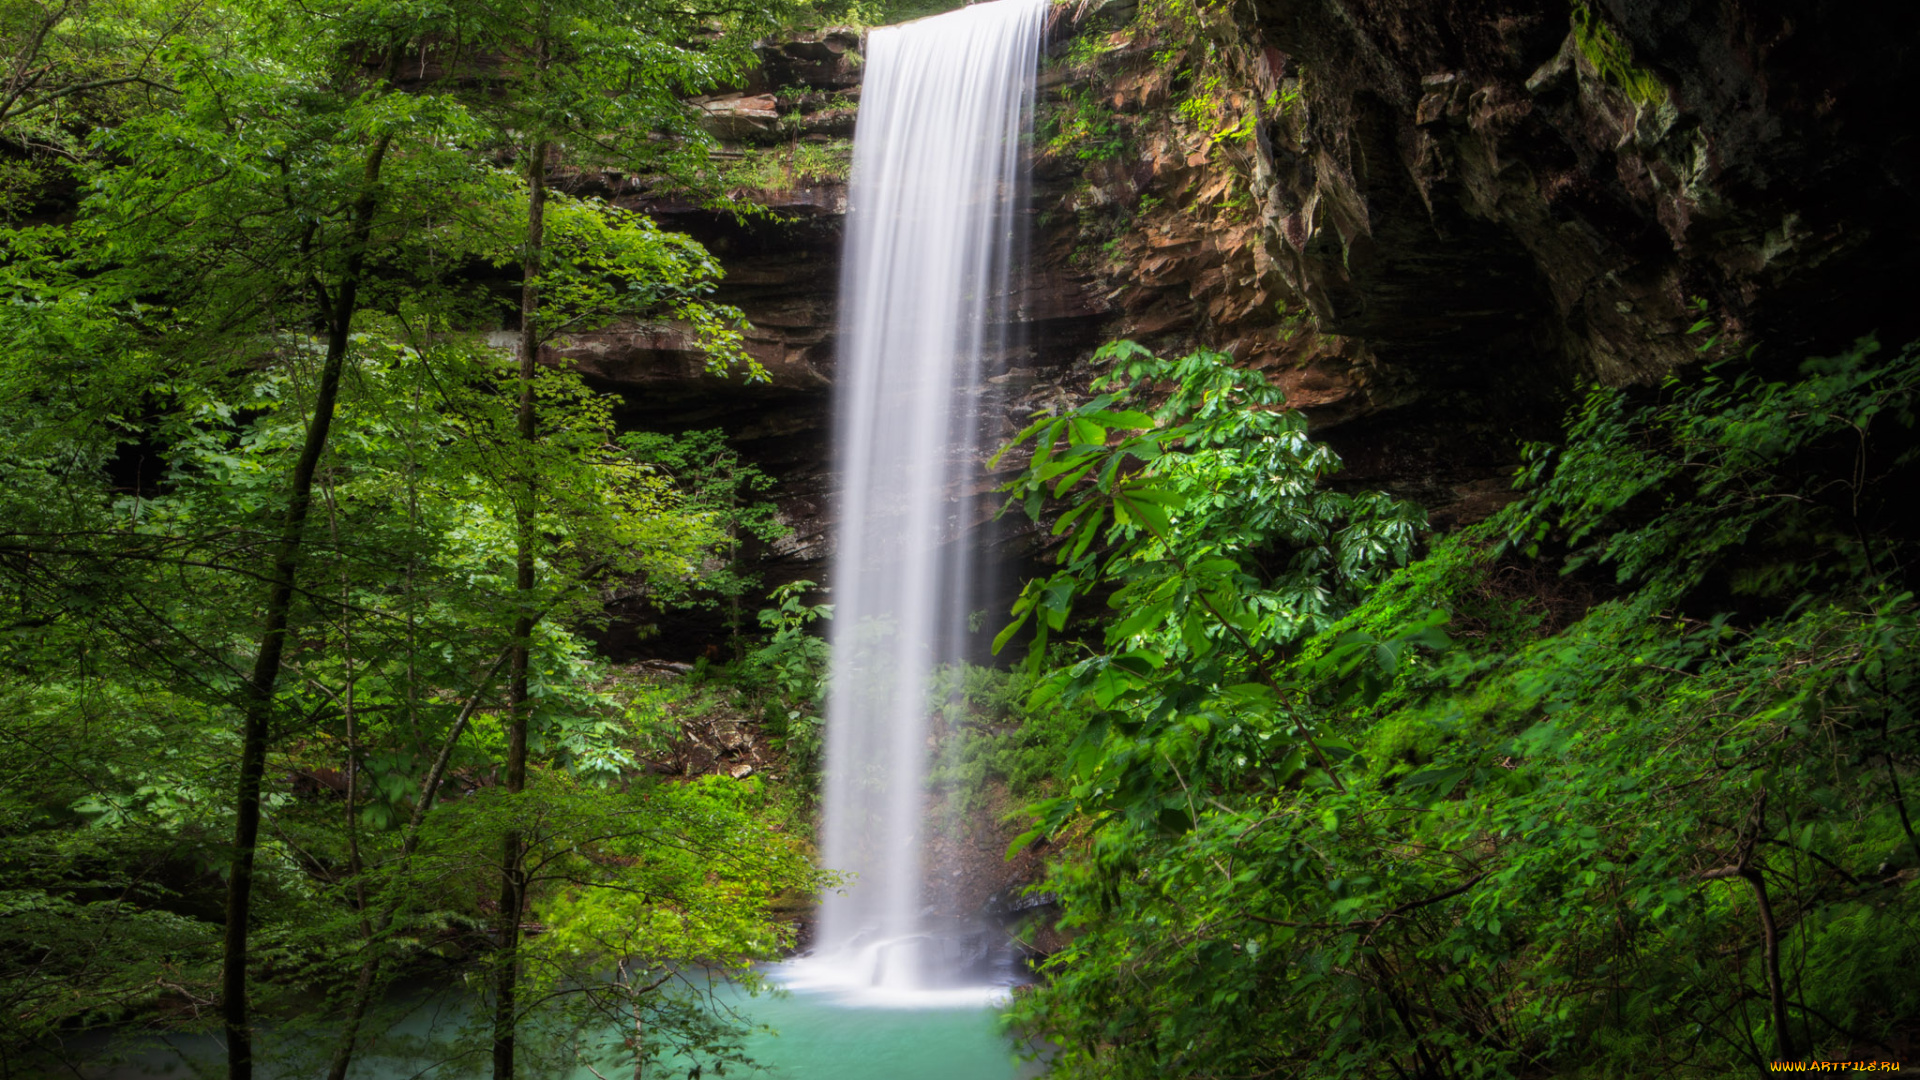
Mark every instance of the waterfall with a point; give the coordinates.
(931, 226)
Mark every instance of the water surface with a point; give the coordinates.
(821, 1038)
(816, 1035)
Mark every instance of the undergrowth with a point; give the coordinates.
(1616, 783)
(990, 737)
(785, 168)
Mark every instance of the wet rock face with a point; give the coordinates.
(1426, 220)
(824, 59)
(782, 270)
(1454, 175)
(1182, 240)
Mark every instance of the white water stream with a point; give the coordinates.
(931, 227)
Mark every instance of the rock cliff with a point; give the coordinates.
(1429, 221)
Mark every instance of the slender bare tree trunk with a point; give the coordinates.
(1776, 987)
(1744, 868)
(257, 707)
(519, 703)
(356, 868)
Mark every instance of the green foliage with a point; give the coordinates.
(991, 737)
(1214, 497)
(403, 619)
(1670, 493)
(1206, 525)
(789, 167)
(163, 355)
(860, 14)
(648, 883)
(1553, 840)
(726, 493)
(1085, 51)
(605, 81)
(1613, 58)
(1081, 125)
(603, 264)
(1210, 113)
(791, 668)
(73, 66)
(1179, 23)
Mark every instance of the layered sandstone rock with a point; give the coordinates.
(1428, 221)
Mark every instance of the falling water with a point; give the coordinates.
(931, 229)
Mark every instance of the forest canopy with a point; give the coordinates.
(299, 545)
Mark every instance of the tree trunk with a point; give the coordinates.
(512, 877)
(368, 978)
(1776, 987)
(257, 708)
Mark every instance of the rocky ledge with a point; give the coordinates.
(1428, 222)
